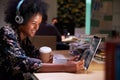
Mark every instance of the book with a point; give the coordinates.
(112, 61)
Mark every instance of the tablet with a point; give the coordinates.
(89, 53)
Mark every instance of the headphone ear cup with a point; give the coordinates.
(19, 19)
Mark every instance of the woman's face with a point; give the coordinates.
(31, 27)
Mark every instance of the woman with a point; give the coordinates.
(17, 56)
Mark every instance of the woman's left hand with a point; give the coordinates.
(50, 59)
(75, 58)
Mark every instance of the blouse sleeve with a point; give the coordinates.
(30, 49)
(12, 52)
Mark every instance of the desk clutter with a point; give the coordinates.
(69, 39)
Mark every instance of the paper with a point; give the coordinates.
(59, 59)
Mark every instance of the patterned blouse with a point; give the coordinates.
(16, 56)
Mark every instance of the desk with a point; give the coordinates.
(95, 72)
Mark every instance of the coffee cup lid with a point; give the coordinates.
(45, 49)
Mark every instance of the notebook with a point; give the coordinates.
(89, 54)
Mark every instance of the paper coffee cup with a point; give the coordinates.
(45, 53)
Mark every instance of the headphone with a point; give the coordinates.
(18, 18)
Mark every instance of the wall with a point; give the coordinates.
(116, 15)
(52, 10)
(110, 10)
(79, 31)
(102, 13)
(2, 8)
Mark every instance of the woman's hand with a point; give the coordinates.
(50, 59)
(77, 66)
(75, 58)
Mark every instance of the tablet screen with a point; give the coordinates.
(88, 54)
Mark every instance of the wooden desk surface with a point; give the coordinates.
(95, 72)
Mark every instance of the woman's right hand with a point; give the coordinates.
(77, 65)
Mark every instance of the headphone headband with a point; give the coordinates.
(19, 4)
